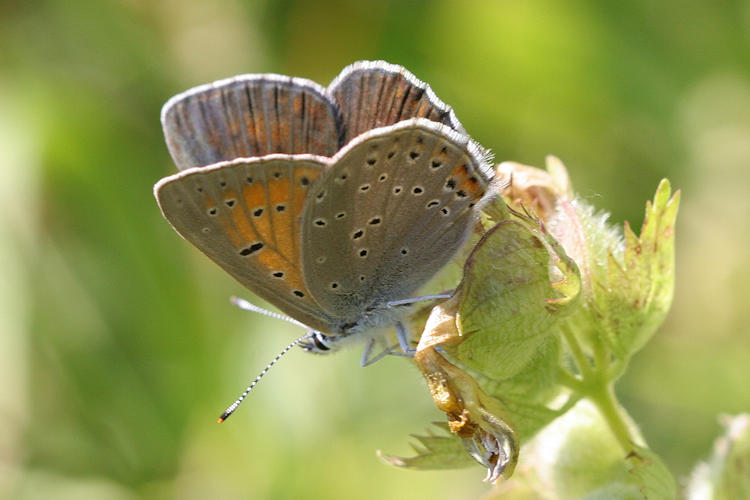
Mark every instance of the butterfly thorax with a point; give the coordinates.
(376, 323)
(373, 318)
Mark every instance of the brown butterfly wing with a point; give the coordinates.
(250, 115)
(390, 212)
(244, 215)
(376, 94)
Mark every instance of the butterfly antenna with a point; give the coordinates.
(247, 306)
(239, 400)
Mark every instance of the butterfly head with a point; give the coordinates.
(319, 343)
(374, 326)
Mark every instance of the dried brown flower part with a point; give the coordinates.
(474, 416)
(532, 189)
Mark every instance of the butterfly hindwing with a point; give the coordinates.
(392, 209)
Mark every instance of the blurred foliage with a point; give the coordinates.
(725, 476)
(118, 346)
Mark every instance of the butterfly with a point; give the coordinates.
(333, 204)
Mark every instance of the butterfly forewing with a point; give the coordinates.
(392, 210)
(245, 216)
(250, 115)
(375, 94)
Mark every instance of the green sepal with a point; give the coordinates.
(510, 303)
(640, 283)
(433, 452)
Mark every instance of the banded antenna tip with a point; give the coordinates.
(228, 412)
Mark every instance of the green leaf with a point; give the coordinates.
(628, 280)
(508, 305)
(640, 283)
(502, 313)
(528, 418)
(648, 473)
(518, 284)
(526, 395)
(444, 451)
(536, 382)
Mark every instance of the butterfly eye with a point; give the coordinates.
(318, 340)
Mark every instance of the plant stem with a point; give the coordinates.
(603, 396)
(601, 356)
(597, 384)
(598, 387)
(569, 380)
(616, 369)
(584, 367)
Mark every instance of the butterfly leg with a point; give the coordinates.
(414, 300)
(403, 344)
(403, 341)
(366, 360)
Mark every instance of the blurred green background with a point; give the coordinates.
(118, 346)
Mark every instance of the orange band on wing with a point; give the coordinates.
(275, 263)
(304, 177)
(279, 198)
(469, 181)
(243, 226)
(257, 203)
